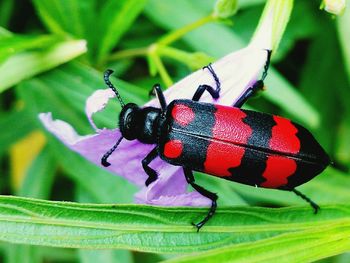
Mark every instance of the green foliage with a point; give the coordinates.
(52, 58)
(162, 229)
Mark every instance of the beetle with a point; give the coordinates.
(243, 146)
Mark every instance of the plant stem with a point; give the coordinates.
(161, 69)
(135, 52)
(175, 35)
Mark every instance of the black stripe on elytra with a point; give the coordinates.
(312, 159)
(309, 147)
(194, 147)
(253, 163)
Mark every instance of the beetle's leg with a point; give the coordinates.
(212, 196)
(213, 92)
(152, 174)
(157, 90)
(307, 199)
(250, 92)
(259, 85)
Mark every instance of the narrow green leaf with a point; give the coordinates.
(6, 9)
(14, 126)
(4, 33)
(29, 64)
(328, 94)
(115, 19)
(343, 23)
(329, 187)
(93, 256)
(342, 152)
(39, 177)
(283, 94)
(15, 43)
(67, 16)
(303, 246)
(110, 256)
(22, 253)
(155, 229)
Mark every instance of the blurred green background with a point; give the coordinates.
(52, 56)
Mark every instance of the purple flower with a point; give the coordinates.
(236, 71)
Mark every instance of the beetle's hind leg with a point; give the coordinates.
(307, 199)
(214, 92)
(259, 85)
(212, 196)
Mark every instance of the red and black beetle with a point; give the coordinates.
(243, 146)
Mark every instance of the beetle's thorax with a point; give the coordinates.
(139, 123)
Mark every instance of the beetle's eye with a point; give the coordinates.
(128, 121)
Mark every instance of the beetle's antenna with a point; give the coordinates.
(108, 72)
(107, 154)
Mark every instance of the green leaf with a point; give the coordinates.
(39, 177)
(22, 253)
(110, 256)
(342, 152)
(156, 229)
(15, 43)
(6, 9)
(93, 256)
(290, 100)
(29, 64)
(303, 246)
(326, 87)
(343, 23)
(115, 19)
(67, 16)
(14, 126)
(329, 187)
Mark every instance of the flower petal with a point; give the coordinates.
(125, 161)
(97, 102)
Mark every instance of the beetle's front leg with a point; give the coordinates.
(152, 174)
(259, 85)
(214, 92)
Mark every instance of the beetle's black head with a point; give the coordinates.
(139, 123)
(134, 122)
(128, 121)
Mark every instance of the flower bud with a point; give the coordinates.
(335, 7)
(225, 8)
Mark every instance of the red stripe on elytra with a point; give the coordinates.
(284, 137)
(284, 140)
(182, 114)
(173, 149)
(278, 169)
(229, 129)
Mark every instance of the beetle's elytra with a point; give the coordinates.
(243, 146)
